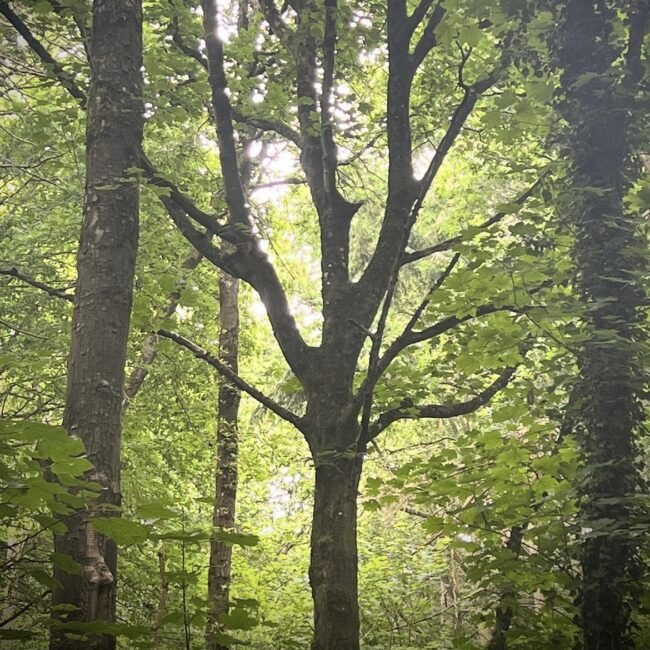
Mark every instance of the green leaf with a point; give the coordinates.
(7, 511)
(66, 563)
(227, 640)
(42, 7)
(471, 35)
(16, 635)
(509, 208)
(190, 537)
(230, 538)
(122, 531)
(174, 618)
(238, 619)
(45, 579)
(160, 191)
(98, 628)
(155, 510)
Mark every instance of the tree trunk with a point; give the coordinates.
(608, 417)
(504, 613)
(219, 576)
(105, 267)
(334, 562)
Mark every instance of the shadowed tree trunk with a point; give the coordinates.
(102, 306)
(219, 571)
(334, 562)
(504, 611)
(608, 417)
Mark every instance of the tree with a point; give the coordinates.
(599, 83)
(102, 305)
(338, 422)
(219, 577)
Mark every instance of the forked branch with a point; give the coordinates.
(447, 244)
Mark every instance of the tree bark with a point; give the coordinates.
(334, 562)
(219, 571)
(608, 417)
(102, 306)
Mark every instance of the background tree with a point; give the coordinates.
(600, 73)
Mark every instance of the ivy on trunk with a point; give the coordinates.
(599, 90)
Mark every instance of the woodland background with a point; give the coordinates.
(472, 528)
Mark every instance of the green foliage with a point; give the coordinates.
(439, 500)
(39, 463)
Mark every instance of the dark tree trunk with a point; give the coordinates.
(219, 572)
(504, 612)
(608, 416)
(105, 266)
(334, 562)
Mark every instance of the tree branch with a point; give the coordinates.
(378, 365)
(66, 79)
(55, 293)
(200, 240)
(228, 159)
(249, 262)
(233, 378)
(26, 607)
(208, 221)
(82, 26)
(418, 14)
(471, 95)
(446, 244)
(274, 19)
(150, 346)
(428, 39)
(439, 411)
(264, 124)
(410, 337)
(375, 369)
(178, 41)
(405, 195)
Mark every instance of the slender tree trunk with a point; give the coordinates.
(162, 598)
(609, 417)
(504, 612)
(226, 472)
(149, 349)
(334, 562)
(219, 572)
(102, 306)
